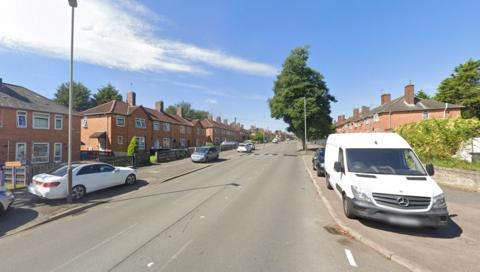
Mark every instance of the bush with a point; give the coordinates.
(438, 139)
(132, 146)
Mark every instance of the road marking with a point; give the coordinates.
(176, 255)
(150, 264)
(350, 258)
(95, 247)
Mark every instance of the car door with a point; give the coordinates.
(83, 177)
(109, 175)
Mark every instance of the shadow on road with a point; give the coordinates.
(219, 160)
(452, 230)
(14, 218)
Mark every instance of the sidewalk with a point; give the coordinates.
(28, 210)
(454, 248)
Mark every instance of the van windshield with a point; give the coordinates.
(384, 161)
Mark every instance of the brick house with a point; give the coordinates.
(33, 128)
(217, 131)
(393, 113)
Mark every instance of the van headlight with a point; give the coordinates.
(439, 201)
(359, 195)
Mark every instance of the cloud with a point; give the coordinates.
(114, 34)
(211, 101)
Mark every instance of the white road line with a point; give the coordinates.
(350, 258)
(176, 255)
(95, 247)
(150, 264)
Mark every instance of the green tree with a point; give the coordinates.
(132, 146)
(105, 94)
(296, 81)
(463, 88)
(422, 95)
(188, 111)
(81, 96)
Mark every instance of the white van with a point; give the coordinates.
(379, 177)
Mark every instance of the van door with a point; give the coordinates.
(340, 180)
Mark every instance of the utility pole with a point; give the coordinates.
(305, 120)
(73, 4)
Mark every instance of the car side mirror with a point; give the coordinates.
(337, 166)
(430, 169)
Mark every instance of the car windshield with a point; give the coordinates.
(242, 145)
(60, 171)
(201, 150)
(384, 161)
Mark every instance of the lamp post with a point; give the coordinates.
(73, 4)
(305, 120)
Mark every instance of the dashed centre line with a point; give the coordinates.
(350, 258)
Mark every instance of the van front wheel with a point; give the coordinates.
(348, 207)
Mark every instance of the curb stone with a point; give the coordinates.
(410, 265)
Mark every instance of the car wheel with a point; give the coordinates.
(348, 207)
(78, 192)
(327, 182)
(130, 179)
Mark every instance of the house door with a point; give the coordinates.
(102, 142)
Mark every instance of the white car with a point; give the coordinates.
(6, 199)
(86, 178)
(378, 176)
(244, 148)
(275, 141)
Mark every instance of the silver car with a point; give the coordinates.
(205, 154)
(6, 199)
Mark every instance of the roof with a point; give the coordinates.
(367, 140)
(399, 105)
(100, 134)
(18, 97)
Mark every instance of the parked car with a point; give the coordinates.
(205, 154)
(378, 176)
(86, 178)
(244, 148)
(252, 144)
(6, 199)
(318, 160)
(275, 141)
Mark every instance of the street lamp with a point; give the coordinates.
(305, 120)
(73, 4)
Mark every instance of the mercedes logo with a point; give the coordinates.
(402, 201)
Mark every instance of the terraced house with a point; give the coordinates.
(33, 128)
(111, 126)
(393, 113)
(218, 131)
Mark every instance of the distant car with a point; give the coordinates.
(6, 199)
(244, 148)
(87, 178)
(252, 144)
(318, 161)
(275, 141)
(205, 154)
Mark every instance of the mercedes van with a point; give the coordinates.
(378, 176)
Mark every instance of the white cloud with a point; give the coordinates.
(115, 34)
(211, 101)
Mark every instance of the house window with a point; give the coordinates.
(141, 143)
(58, 122)
(182, 129)
(376, 118)
(21, 152)
(85, 122)
(40, 152)
(57, 152)
(156, 144)
(120, 120)
(120, 140)
(198, 130)
(41, 120)
(425, 115)
(183, 143)
(166, 126)
(140, 123)
(166, 142)
(21, 119)
(156, 125)
(197, 142)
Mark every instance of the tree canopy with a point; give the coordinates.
(105, 94)
(188, 111)
(422, 94)
(296, 81)
(463, 88)
(81, 96)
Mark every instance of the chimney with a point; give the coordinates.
(409, 94)
(210, 117)
(131, 98)
(385, 98)
(235, 120)
(180, 111)
(219, 119)
(339, 118)
(356, 113)
(225, 121)
(365, 109)
(159, 106)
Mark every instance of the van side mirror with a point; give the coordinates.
(337, 166)
(430, 169)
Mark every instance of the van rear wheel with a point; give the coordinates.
(348, 207)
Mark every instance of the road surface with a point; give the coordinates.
(255, 212)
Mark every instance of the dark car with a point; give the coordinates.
(205, 154)
(318, 161)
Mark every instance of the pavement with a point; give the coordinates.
(250, 212)
(454, 248)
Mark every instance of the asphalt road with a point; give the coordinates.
(256, 212)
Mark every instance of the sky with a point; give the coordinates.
(223, 56)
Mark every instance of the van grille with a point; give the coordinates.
(402, 201)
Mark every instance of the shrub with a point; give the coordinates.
(132, 146)
(439, 138)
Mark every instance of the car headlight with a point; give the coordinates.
(439, 201)
(359, 195)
